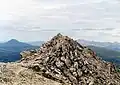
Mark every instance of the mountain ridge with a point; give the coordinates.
(14, 42)
(10, 50)
(108, 45)
(36, 43)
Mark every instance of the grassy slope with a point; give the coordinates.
(106, 54)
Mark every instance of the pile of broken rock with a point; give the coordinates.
(63, 61)
(66, 61)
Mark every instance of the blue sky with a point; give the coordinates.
(34, 20)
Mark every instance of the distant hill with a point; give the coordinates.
(107, 54)
(36, 43)
(10, 51)
(107, 45)
(14, 43)
(106, 50)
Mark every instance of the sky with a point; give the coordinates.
(35, 20)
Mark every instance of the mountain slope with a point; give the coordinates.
(14, 43)
(10, 51)
(16, 74)
(107, 54)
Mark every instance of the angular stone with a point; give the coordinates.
(76, 65)
(67, 62)
(73, 79)
(57, 71)
(63, 58)
(79, 72)
(59, 64)
(47, 59)
(72, 69)
(75, 74)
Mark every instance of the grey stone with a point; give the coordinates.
(59, 64)
(72, 69)
(79, 72)
(76, 65)
(66, 60)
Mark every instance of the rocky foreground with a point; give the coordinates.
(60, 61)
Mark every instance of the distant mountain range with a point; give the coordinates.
(10, 51)
(107, 54)
(106, 50)
(14, 43)
(107, 45)
(36, 43)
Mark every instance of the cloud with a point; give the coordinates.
(94, 29)
(39, 19)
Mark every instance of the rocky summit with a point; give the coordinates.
(60, 61)
(66, 61)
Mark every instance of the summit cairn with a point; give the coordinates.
(64, 60)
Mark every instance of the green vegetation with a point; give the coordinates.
(107, 54)
(118, 70)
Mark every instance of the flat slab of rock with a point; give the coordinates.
(15, 74)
